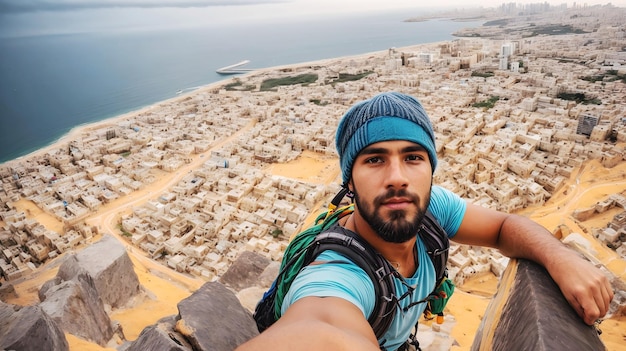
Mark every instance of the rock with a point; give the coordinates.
(110, 267)
(47, 286)
(7, 291)
(213, 319)
(529, 312)
(245, 271)
(577, 241)
(250, 297)
(76, 307)
(269, 274)
(29, 329)
(161, 336)
(618, 304)
(86, 286)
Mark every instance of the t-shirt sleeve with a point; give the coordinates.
(339, 278)
(448, 208)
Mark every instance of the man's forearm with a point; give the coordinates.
(521, 237)
(307, 335)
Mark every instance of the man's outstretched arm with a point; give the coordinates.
(317, 323)
(584, 286)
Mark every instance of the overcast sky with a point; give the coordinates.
(37, 17)
(315, 6)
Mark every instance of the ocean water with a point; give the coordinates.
(58, 75)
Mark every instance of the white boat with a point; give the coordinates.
(234, 69)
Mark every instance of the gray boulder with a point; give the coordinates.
(7, 291)
(110, 267)
(29, 329)
(269, 274)
(78, 310)
(245, 271)
(161, 336)
(213, 319)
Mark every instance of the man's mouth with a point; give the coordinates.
(397, 203)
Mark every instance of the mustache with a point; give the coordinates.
(391, 193)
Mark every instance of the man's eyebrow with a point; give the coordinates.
(372, 150)
(414, 148)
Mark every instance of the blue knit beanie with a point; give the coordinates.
(385, 117)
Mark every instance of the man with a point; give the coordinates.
(387, 153)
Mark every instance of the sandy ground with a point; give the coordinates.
(165, 287)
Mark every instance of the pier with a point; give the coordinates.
(234, 69)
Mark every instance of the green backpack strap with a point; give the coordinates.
(298, 246)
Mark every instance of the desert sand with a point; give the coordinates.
(165, 287)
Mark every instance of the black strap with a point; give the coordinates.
(380, 272)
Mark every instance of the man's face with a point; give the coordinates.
(391, 181)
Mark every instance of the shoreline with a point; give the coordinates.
(80, 129)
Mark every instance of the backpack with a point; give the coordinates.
(326, 234)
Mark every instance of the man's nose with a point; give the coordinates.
(396, 174)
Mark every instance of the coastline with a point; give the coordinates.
(78, 130)
(98, 92)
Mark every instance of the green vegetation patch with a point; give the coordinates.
(346, 77)
(499, 22)
(555, 29)
(489, 103)
(579, 98)
(319, 102)
(276, 232)
(304, 79)
(124, 232)
(237, 85)
(485, 74)
(608, 76)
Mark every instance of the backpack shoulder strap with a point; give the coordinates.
(378, 269)
(437, 244)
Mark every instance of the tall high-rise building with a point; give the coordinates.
(507, 50)
(586, 122)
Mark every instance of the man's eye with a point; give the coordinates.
(373, 160)
(414, 158)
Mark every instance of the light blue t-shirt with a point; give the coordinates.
(351, 283)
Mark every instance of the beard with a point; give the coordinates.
(399, 227)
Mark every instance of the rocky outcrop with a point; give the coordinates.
(161, 336)
(86, 286)
(7, 291)
(29, 329)
(78, 310)
(212, 318)
(110, 268)
(245, 271)
(529, 313)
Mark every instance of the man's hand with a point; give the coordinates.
(584, 286)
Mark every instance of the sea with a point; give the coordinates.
(64, 68)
